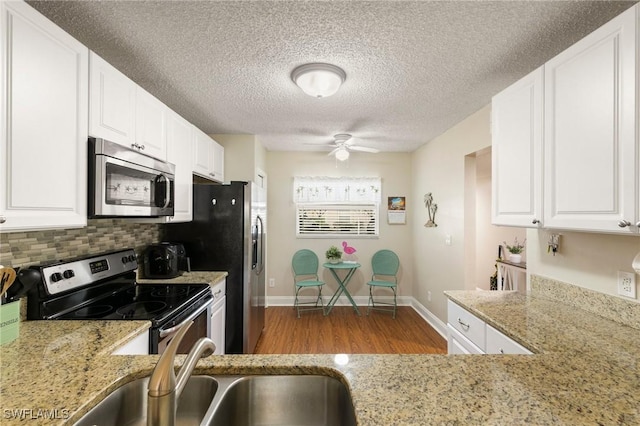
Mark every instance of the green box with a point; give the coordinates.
(9, 322)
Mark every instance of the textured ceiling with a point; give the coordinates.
(414, 69)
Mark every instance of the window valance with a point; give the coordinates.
(322, 189)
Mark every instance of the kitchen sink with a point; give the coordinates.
(127, 405)
(281, 400)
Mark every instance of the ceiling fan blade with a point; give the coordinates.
(334, 151)
(363, 149)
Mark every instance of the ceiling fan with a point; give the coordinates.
(343, 145)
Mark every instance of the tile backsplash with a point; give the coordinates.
(100, 235)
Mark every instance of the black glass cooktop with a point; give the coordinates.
(154, 302)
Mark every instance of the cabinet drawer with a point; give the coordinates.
(498, 343)
(458, 344)
(467, 324)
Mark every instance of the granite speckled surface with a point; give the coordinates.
(585, 370)
(210, 277)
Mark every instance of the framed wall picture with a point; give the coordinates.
(396, 211)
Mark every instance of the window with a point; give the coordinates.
(315, 220)
(330, 207)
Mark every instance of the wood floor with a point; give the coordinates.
(343, 331)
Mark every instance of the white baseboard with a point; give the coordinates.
(362, 301)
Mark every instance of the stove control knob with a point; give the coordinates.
(125, 259)
(68, 274)
(56, 276)
(132, 258)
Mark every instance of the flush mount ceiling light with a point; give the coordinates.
(342, 154)
(318, 80)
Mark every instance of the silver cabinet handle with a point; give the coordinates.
(501, 351)
(463, 325)
(637, 224)
(535, 221)
(624, 223)
(3, 219)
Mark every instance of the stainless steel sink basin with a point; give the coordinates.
(281, 400)
(127, 405)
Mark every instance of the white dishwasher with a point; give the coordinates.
(218, 315)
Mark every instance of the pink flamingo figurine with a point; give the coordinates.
(347, 249)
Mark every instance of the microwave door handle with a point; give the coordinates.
(167, 194)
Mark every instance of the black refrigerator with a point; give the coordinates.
(228, 234)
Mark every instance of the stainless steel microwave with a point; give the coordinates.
(125, 183)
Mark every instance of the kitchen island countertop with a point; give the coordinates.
(585, 371)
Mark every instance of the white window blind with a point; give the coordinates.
(330, 220)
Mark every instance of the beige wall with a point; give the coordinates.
(395, 171)
(586, 260)
(439, 167)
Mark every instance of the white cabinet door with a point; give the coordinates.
(217, 161)
(201, 153)
(516, 120)
(150, 125)
(498, 343)
(139, 345)
(590, 145)
(218, 326)
(459, 344)
(112, 103)
(43, 116)
(179, 152)
(208, 159)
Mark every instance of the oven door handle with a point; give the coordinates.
(172, 330)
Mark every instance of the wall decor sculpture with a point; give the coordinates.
(431, 210)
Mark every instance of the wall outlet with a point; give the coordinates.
(428, 296)
(627, 284)
(447, 240)
(272, 282)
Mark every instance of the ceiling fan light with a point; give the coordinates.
(342, 154)
(318, 80)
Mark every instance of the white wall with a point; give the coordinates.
(439, 167)
(395, 171)
(488, 237)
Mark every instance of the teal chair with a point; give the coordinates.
(305, 275)
(385, 265)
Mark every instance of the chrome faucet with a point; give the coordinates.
(164, 387)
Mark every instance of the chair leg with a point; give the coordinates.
(370, 303)
(395, 304)
(296, 303)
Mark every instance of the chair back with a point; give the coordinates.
(385, 262)
(304, 262)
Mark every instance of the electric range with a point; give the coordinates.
(104, 287)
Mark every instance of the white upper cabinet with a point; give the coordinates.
(112, 103)
(123, 112)
(43, 122)
(208, 160)
(516, 127)
(151, 115)
(590, 141)
(180, 153)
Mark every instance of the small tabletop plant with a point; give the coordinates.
(517, 247)
(333, 254)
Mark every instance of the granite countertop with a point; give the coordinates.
(193, 277)
(585, 370)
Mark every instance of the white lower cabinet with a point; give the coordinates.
(43, 122)
(218, 317)
(468, 334)
(498, 343)
(139, 345)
